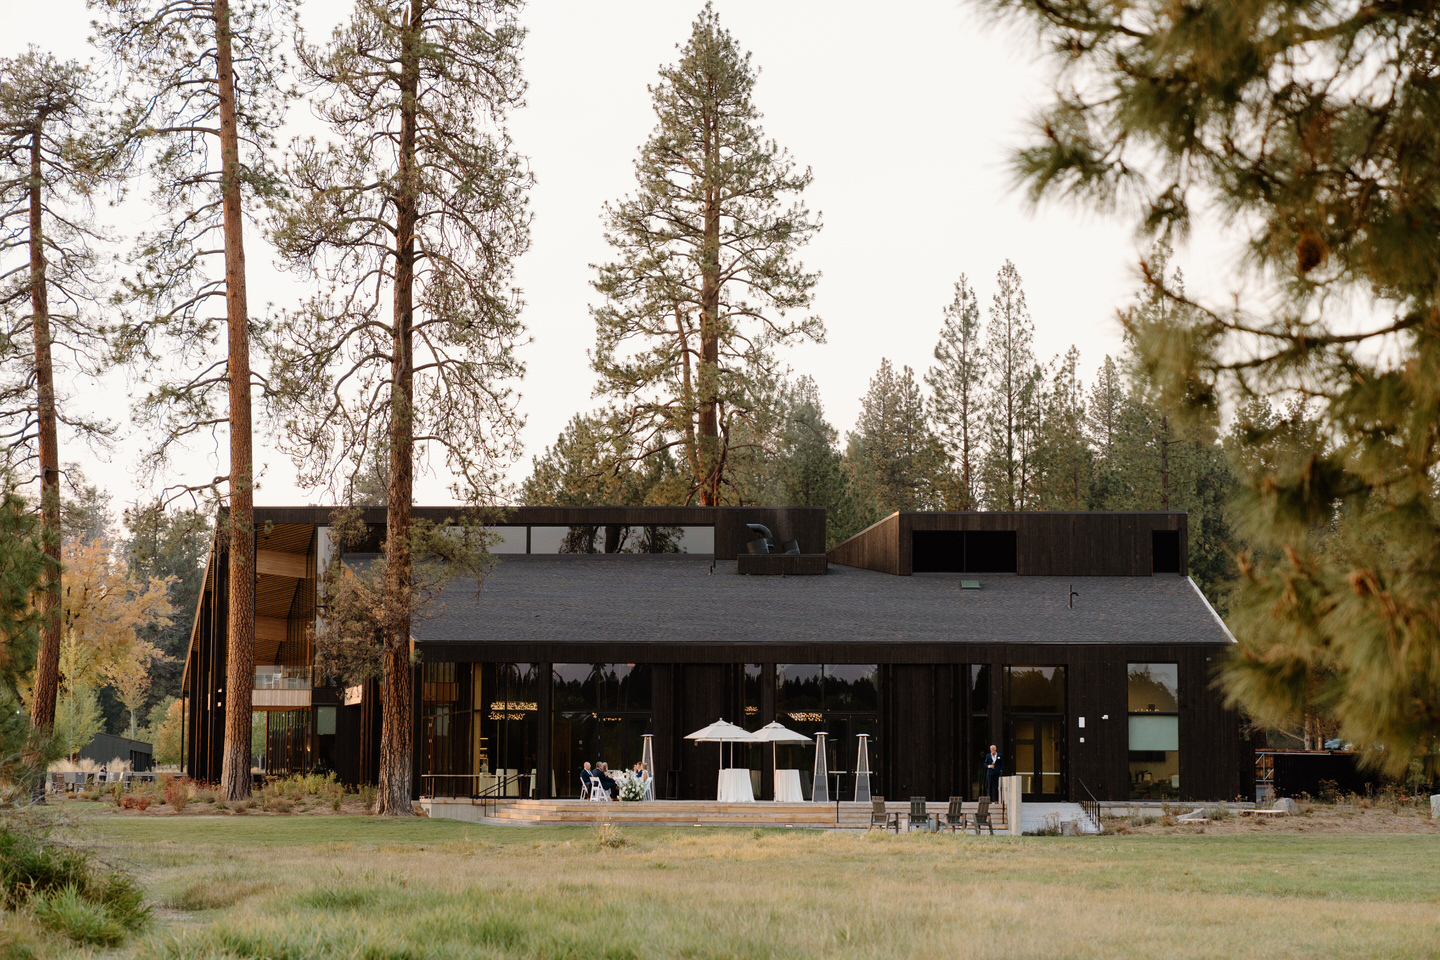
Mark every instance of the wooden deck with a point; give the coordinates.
(707, 813)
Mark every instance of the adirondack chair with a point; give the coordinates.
(982, 816)
(918, 816)
(879, 818)
(955, 815)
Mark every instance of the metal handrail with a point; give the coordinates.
(1091, 806)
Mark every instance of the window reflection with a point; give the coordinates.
(600, 713)
(1153, 730)
(843, 700)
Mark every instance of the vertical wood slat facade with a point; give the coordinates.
(926, 735)
(1049, 544)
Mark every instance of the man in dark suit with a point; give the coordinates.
(607, 782)
(992, 772)
(587, 779)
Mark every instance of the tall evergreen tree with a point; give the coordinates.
(1104, 411)
(706, 272)
(587, 466)
(23, 564)
(204, 81)
(1064, 463)
(893, 457)
(54, 156)
(168, 545)
(1012, 413)
(1313, 127)
(809, 469)
(413, 219)
(957, 395)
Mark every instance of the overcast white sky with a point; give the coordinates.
(906, 114)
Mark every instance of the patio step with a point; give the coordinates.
(851, 816)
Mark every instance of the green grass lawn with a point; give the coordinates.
(323, 887)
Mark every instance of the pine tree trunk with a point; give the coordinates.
(47, 669)
(708, 476)
(1164, 462)
(240, 622)
(397, 746)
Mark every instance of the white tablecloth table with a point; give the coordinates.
(787, 787)
(735, 786)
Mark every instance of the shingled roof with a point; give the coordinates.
(676, 599)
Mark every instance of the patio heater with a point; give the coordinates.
(862, 769)
(820, 786)
(647, 759)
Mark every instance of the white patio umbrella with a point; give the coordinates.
(774, 733)
(722, 732)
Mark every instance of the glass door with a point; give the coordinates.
(1038, 750)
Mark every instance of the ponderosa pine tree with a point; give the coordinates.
(1012, 410)
(892, 456)
(957, 395)
(203, 81)
(413, 220)
(706, 272)
(23, 563)
(1313, 127)
(1104, 411)
(588, 466)
(169, 545)
(54, 156)
(1064, 464)
(808, 469)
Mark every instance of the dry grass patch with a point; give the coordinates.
(350, 887)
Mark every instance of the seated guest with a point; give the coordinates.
(587, 779)
(607, 782)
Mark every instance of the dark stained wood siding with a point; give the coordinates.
(1083, 544)
(805, 524)
(877, 547)
(780, 565)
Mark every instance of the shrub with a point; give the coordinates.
(367, 797)
(279, 805)
(71, 894)
(82, 921)
(177, 793)
(203, 795)
(608, 835)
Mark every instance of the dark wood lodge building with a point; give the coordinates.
(1074, 641)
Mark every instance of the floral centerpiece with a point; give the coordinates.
(632, 789)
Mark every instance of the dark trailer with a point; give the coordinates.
(1074, 641)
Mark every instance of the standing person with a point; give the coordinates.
(992, 772)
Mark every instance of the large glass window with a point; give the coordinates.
(752, 682)
(1035, 705)
(506, 729)
(1035, 689)
(601, 712)
(445, 747)
(978, 696)
(842, 699)
(622, 538)
(1154, 730)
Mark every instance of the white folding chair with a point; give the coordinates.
(584, 788)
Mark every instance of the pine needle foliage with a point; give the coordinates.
(411, 216)
(706, 274)
(1311, 128)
